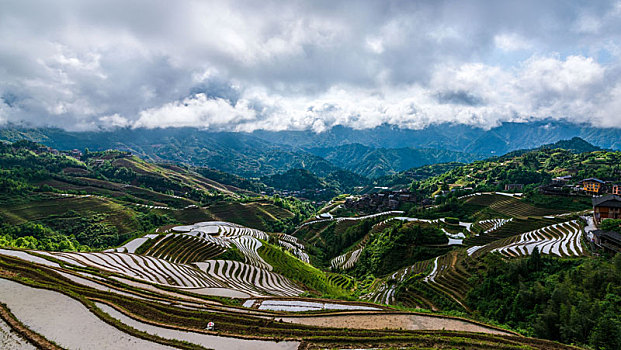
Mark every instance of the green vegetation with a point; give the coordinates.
(53, 201)
(405, 178)
(530, 168)
(233, 253)
(164, 312)
(289, 266)
(398, 246)
(572, 301)
(611, 225)
(105, 198)
(375, 162)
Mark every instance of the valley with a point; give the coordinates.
(152, 254)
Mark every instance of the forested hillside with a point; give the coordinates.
(531, 168)
(51, 200)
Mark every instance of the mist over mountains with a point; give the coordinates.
(371, 153)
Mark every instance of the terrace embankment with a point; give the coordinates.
(10, 339)
(405, 321)
(207, 340)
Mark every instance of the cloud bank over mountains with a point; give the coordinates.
(276, 65)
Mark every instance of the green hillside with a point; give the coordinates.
(102, 199)
(531, 169)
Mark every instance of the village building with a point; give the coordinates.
(98, 162)
(607, 240)
(606, 207)
(561, 180)
(514, 187)
(380, 201)
(592, 185)
(616, 189)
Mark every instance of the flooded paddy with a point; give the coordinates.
(220, 292)
(64, 320)
(206, 340)
(28, 257)
(300, 305)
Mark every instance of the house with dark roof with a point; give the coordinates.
(608, 240)
(592, 185)
(606, 207)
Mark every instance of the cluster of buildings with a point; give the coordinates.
(607, 207)
(381, 201)
(591, 186)
(75, 153)
(303, 193)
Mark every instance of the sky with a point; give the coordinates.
(308, 65)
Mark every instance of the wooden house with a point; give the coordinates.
(606, 207)
(608, 240)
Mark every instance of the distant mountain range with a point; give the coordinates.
(372, 153)
(456, 137)
(375, 162)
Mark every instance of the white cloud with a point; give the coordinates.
(511, 42)
(198, 111)
(237, 65)
(114, 121)
(474, 94)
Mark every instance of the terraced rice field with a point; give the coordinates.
(302, 305)
(186, 248)
(207, 340)
(473, 249)
(290, 239)
(510, 206)
(221, 228)
(28, 257)
(249, 279)
(516, 195)
(249, 245)
(51, 314)
(562, 240)
(295, 250)
(448, 276)
(352, 218)
(294, 246)
(131, 246)
(445, 276)
(246, 239)
(492, 224)
(10, 340)
(134, 319)
(509, 229)
(146, 268)
(341, 281)
(346, 261)
(385, 294)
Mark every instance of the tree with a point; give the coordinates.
(611, 225)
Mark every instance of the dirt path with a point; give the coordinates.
(394, 321)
